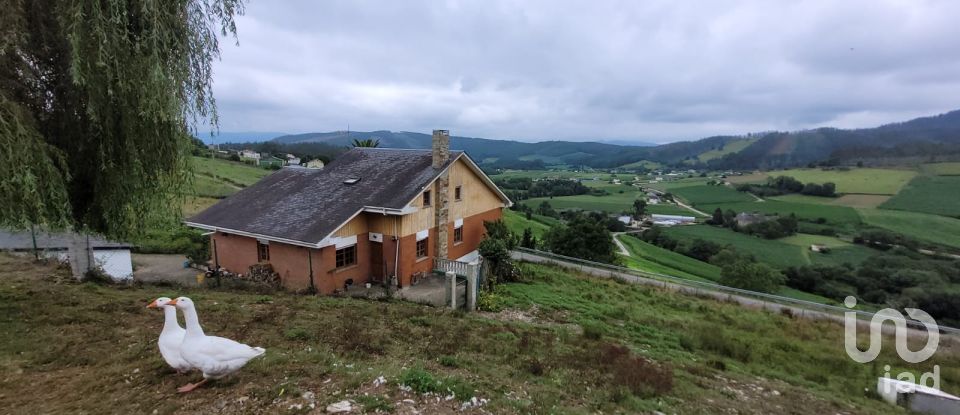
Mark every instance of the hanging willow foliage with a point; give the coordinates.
(96, 102)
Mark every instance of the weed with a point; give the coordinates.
(297, 333)
(374, 403)
(449, 361)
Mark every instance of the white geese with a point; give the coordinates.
(215, 356)
(171, 336)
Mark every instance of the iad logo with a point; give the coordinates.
(901, 336)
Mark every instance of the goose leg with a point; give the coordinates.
(191, 386)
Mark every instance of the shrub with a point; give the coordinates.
(449, 361)
(297, 333)
(592, 331)
(490, 300)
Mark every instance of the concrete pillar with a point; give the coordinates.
(80, 255)
(472, 291)
(452, 283)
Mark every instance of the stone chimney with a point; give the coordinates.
(441, 148)
(441, 154)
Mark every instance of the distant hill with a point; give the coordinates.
(934, 134)
(237, 136)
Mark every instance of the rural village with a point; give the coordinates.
(732, 265)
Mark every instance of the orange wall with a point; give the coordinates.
(237, 253)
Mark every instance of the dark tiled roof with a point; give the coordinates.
(306, 205)
(22, 240)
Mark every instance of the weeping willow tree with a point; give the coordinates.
(97, 100)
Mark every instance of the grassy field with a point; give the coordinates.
(238, 173)
(932, 228)
(614, 202)
(839, 215)
(942, 169)
(646, 164)
(668, 209)
(705, 194)
(652, 258)
(841, 252)
(731, 147)
(851, 200)
(670, 185)
(567, 344)
(517, 222)
(939, 195)
(773, 252)
(866, 180)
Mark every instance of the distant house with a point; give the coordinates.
(112, 257)
(615, 181)
(249, 154)
(374, 215)
(747, 219)
(819, 248)
(271, 161)
(315, 164)
(293, 161)
(627, 220)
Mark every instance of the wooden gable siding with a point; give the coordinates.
(477, 198)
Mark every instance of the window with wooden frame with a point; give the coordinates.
(422, 248)
(457, 193)
(346, 256)
(458, 235)
(426, 198)
(263, 252)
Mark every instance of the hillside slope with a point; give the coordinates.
(767, 150)
(567, 344)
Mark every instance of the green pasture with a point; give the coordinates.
(939, 195)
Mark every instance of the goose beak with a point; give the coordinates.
(153, 304)
(172, 302)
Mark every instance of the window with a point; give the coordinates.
(457, 193)
(422, 248)
(346, 256)
(458, 234)
(263, 251)
(426, 198)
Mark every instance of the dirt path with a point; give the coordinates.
(623, 248)
(166, 268)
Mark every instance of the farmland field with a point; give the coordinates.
(669, 262)
(517, 222)
(860, 180)
(773, 252)
(668, 209)
(939, 195)
(805, 211)
(748, 178)
(850, 200)
(932, 228)
(239, 173)
(705, 194)
(942, 169)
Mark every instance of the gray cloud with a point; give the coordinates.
(536, 70)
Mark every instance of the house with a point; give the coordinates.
(249, 154)
(315, 164)
(373, 215)
(293, 160)
(271, 161)
(626, 219)
(918, 398)
(819, 248)
(112, 257)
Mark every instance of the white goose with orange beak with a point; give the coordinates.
(215, 356)
(171, 336)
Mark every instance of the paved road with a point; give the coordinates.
(681, 204)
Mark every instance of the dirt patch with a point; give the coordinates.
(163, 268)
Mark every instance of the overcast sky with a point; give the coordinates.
(587, 70)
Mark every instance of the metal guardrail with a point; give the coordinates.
(713, 289)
